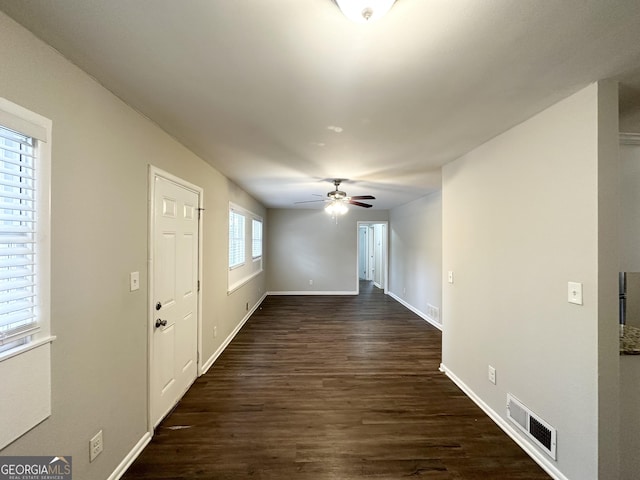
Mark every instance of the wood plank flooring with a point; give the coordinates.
(331, 387)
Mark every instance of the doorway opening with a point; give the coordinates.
(373, 254)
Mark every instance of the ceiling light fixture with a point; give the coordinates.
(364, 11)
(336, 207)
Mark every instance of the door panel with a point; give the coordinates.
(184, 358)
(175, 274)
(187, 280)
(166, 343)
(165, 277)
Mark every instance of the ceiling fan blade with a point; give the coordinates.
(360, 204)
(363, 197)
(310, 201)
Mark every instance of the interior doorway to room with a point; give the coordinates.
(373, 254)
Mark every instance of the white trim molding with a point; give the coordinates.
(211, 360)
(421, 314)
(515, 435)
(317, 292)
(243, 282)
(629, 138)
(130, 457)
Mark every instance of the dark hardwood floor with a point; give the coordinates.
(331, 387)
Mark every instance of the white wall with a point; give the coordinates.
(306, 245)
(630, 208)
(630, 262)
(101, 149)
(630, 118)
(630, 416)
(524, 214)
(608, 193)
(415, 265)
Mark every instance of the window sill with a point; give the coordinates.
(25, 348)
(242, 282)
(235, 267)
(26, 376)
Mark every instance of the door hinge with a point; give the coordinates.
(198, 285)
(200, 212)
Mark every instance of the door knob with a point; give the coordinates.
(161, 323)
(158, 306)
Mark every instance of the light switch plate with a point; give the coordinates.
(450, 276)
(134, 281)
(575, 293)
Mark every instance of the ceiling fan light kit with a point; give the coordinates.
(364, 11)
(338, 201)
(336, 207)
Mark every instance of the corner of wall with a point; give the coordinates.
(608, 266)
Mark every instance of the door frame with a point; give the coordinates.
(363, 252)
(371, 253)
(385, 252)
(153, 173)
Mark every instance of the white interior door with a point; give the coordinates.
(371, 252)
(379, 235)
(174, 291)
(362, 253)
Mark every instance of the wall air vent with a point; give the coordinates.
(542, 434)
(433, 313)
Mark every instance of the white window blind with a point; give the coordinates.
(236, 239)
(25, 340)
(256, 240)
(17, 236)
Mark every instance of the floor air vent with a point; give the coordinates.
(543, 434)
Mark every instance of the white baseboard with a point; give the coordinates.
(529, 449)
(317, 292)
(422, 315)
(131, 456)
(211, 360)
(146, 438)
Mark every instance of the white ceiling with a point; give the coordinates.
(257, 87)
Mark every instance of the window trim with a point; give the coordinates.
(240, 275)
(31, 124)
(26, 367)
(255, 220)
(235, 211)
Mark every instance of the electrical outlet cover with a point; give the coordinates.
(95, 446)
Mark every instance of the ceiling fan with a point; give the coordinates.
(338, 196)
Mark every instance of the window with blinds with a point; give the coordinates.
(25, 273)
(236, 239)
(245, 242)
(256, 238)
(18, 318)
